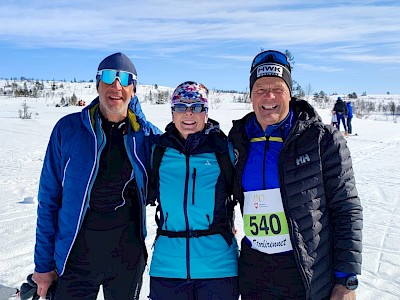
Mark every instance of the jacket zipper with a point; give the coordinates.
(185, 206)
(166, 219)
(194, 184)
(290, 222)
(82, 210)
(143, 189)
(266, 148)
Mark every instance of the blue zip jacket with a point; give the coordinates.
(261, 169)
(349, 109)
(192, 196)
(69, 170)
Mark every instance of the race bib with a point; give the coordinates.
(264, 221)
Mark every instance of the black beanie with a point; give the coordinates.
(269, 66)
(117, 61)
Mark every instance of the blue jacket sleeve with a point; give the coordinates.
(49, 200)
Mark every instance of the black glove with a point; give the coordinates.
(29, 290)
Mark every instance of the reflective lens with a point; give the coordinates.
(109, 76)
(194, 107)
(270, 56)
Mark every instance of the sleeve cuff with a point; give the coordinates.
(343, 274)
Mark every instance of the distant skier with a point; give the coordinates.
(349, 117)
(334, 120)
(340, 109)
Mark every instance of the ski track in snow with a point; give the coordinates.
(375, 161)
(376, 168)
(371, 149)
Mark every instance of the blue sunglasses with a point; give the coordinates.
(108, 76)
(183, 107)
(270, 56)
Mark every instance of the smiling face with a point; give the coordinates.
(189, 122)
(114, 100)
(270, 97)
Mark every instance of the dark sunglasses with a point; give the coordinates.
(194, 107)
(270, 56)
(108, 76)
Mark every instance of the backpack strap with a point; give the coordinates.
(227, 169)
(226, 165)
(158, 153)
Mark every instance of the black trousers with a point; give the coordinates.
(349, 127)
(194, 289)
(264, 276)
(341, 119)
(113, 258)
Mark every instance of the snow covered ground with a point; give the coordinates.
(375, 153)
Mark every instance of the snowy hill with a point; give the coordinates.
(23, 142)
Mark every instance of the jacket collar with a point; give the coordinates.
(135, 113)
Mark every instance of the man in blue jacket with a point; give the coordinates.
(301, 213)
(349, 117)
(91, 213)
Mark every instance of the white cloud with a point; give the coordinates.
(325, 36)
(90, 24)
(317, 68)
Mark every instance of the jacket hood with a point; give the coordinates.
(304, 111)
(134, 107)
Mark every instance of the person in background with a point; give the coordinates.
(92, 194)
(340, 109)
(349, 117)
(334, 120)
(195, 253)
(302, 216)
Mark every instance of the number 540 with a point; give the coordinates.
(265, 224)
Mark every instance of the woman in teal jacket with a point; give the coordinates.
(195, 252)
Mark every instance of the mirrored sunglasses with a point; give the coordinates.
(108, 76)
(194, 107)
(270, 56)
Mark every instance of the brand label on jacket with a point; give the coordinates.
(264, 221)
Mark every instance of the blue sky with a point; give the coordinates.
(338, 46)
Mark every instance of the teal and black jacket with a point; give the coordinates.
(195, 214)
